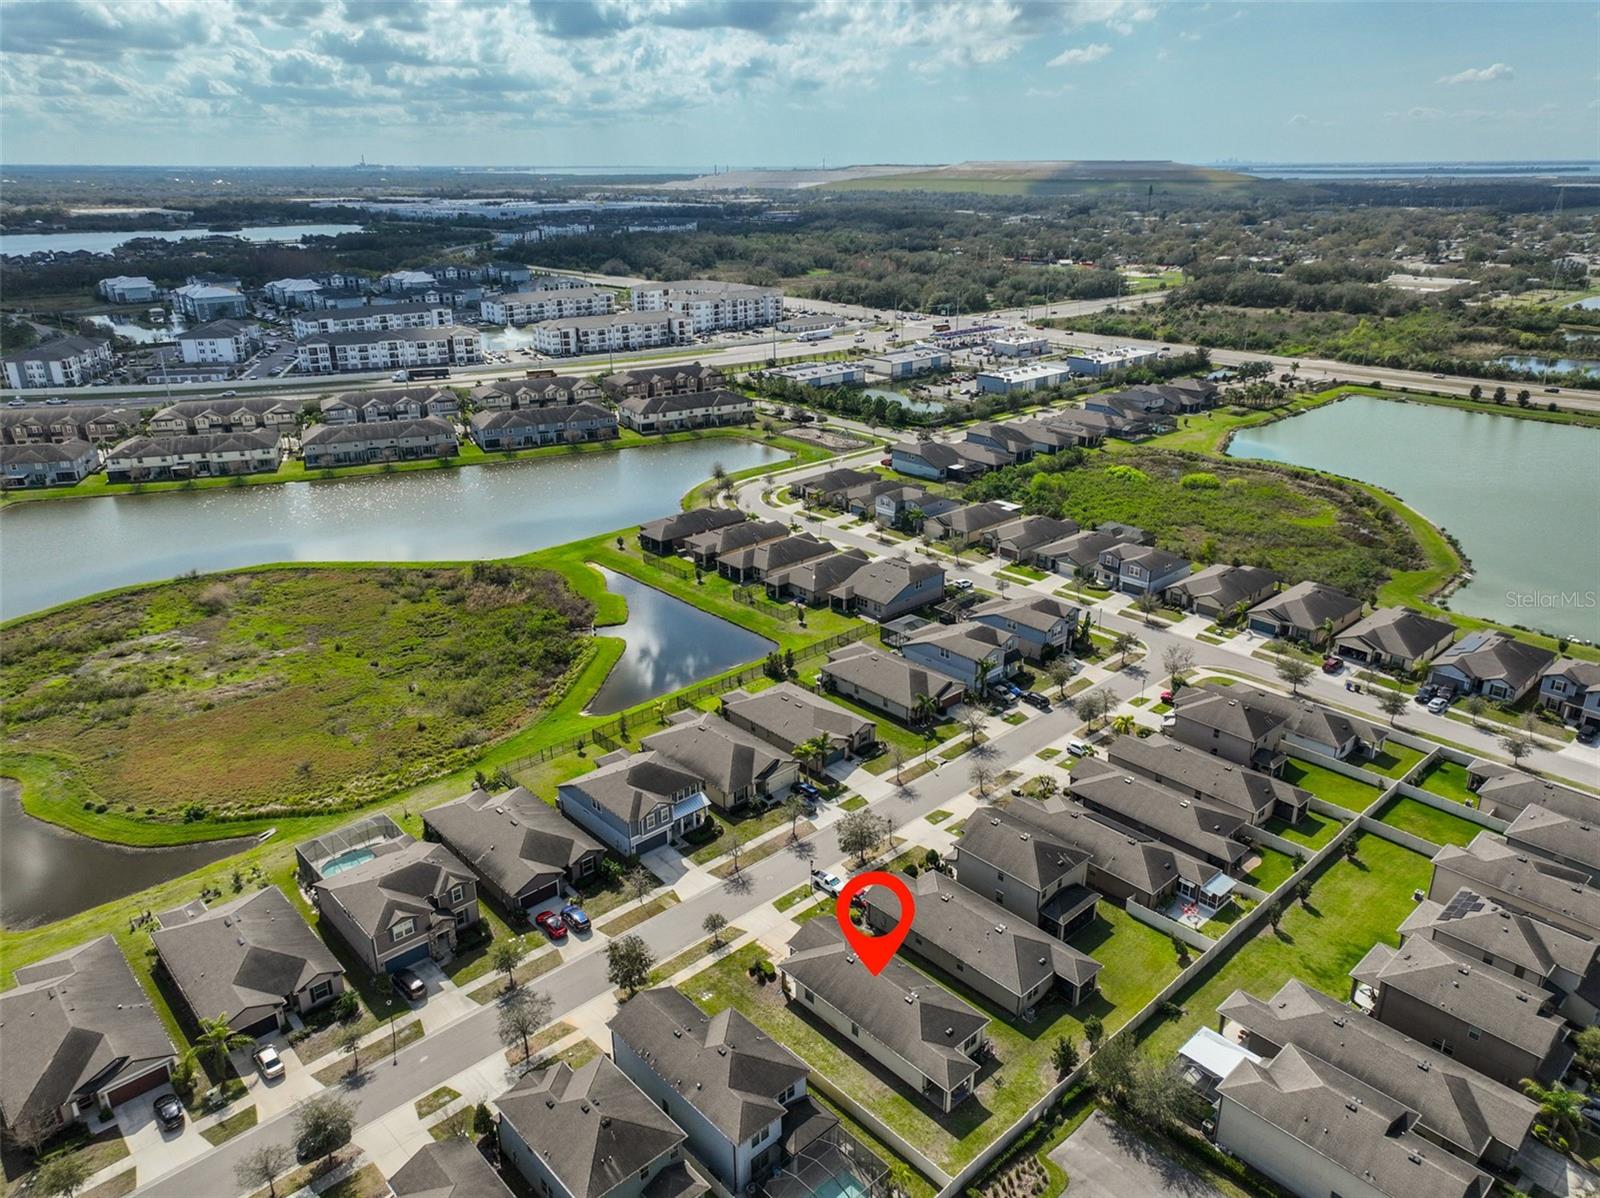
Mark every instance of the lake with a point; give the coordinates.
(55, 550)
(1513, 492)
(670, 645)
(51, 873)
(104, 243)
(1539, 367)
(905, 401)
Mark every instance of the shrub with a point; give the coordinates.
(347, 1006)
(1200, 480)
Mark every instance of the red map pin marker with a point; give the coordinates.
(875, 951)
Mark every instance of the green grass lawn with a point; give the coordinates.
(637, 915)
(750, 824)
(798, 895)
(224, 1130)
(690, 955)
(1313, 830)
(1447, 780)
(1273, 870)
(1138, 960)
(1433, 825)
(1353, 906)
(435, 1101)
(1349, 793)
(938, 817)
(1394, 761)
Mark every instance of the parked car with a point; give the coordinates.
(575, 917)
(961, 584)
(1587, 735)
(807, 789)
(1423, 695)
(169, 1112)
(828, 883)
(1439, 705)
(1035, 699)
(1080, 748)
(268, 1061)
(408, 985)
(550, 924)
(1166, 696)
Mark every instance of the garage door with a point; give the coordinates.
(658, 841)
(410, 957)
(262, 1027)
(139, 1085)
(542, 893)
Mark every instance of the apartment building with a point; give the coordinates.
(555, 303)
(194, 455)
(710, 305)
(62, 362)
(128, 289)
(224, 342)
(372, 318)
(390, 349)
(612, 333)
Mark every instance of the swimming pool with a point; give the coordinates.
(348, 859)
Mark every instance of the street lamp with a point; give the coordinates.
(394, 1036)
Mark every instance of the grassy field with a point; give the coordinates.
(1272, 871)
(1350, 793)
(1353, 906)
(271, 693)
(1394, 760)
(1313, 831)
(1448, 780)
(1433, 825)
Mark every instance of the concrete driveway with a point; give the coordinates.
(1104, 1161)
(149, 1141)
(281, 1093)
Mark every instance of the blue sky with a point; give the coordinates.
(792, 82)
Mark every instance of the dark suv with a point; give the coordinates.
(408, 985)
(169, 1112)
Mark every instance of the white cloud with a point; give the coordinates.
(1489, 74)
(1080, 55)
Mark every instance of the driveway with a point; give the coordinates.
(1104, 1161)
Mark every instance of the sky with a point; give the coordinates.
(700, 83)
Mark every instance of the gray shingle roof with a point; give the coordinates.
(983, 935)
(1307, 604)
(427, 428)
(1226, 585)
(1506, 791)
(1523, 880)
(638, 784)
(718, 752)
(1019, 849)
(1491, 656)
(592, 1127)
(921, 1022)
(666, 405)
(686, 524)
(791, 715)
(242, 958)
(881, 580)
(1246, 791)
(1038, 612)
(722, 1065)
(1557, 835)
(890, 676)
(1537, 947)
(1397, 632)
(449, 1169)
(74, 1023)
(1364, 1132)
(57, 349)
(45, 453)
(735, 536)
(406, 881)
(1252, 713)
(514, 839)
(1133, 858)
(1200, 828)
(818, 575)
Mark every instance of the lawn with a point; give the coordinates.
(1313, 830)
(938, 817)
(97, 1153)
(1353, 906)
(435, 1101)
(366, 1182)
(378, 1050)
(750, 826)
(224, 1130)
(798, 895)
(1394, 761)
(690, 955)
(1350, 793)
(1447, 780)
(1272, 871)
(636, 916)
(1433, 825)
(1138, 960)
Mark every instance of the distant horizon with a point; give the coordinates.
(1236, 163)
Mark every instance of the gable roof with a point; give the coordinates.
(1506, 791)
(880, 581)
(1038, 612)
(1133, 858)
(591, 1127)
(1019, 849)
(920, 1022)
(408, 881)
(1523, 880)
(818, 575)
(1226, 585)
(685, 524)
(792, 714)
(72, 1024)
(890, 676)
(1252, 713)
(514, 839)
(1397, 632)
(1184, 768)
(1558, 836)
(1307, 604)
(969, 640)
(718, 752)
(1081, 548)
(722, 1065)
(1532, 944)
(1197, 827)
(637, 784)
(1485, 656)
(451, 1168)
(244, 956)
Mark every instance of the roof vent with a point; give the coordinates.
(677, 1033)
(1000, 928)
(944, 898)
(722, 1050)
(1425, 1066)
(994, 823)
(1414, 1157)
(550, 1103)
(1352, 1104)
(584, 1107)
(1026, 835)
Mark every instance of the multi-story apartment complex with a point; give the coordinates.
(228, 342)
(610, 333)
(63, 362)
(372, 318)
(554, 303)
(127, 289)
(389, 349)
(712, 305)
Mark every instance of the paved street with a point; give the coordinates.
(1102, 1160)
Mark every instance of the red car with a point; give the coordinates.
(1332, 665)
(1166, 696)
(550, 924)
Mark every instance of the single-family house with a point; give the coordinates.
(735, 767)
(704, 548)
(1044, 627)
(669, 534)
(1491, 664)
(787, 716)
(1023, 869)
(1045, 436)
(1249, 794)
(635, 803)
(523, 851)
(1571, 842)
(1139, 569)
(1001, 437)
(1307, 611)
(888, 587)
(752, 563)
(967, 524)
(1520, 881)
(1502, 1026)
(81, 1038)
(1074, 555)
(450, 1168)
(1009, 961)
(887, 682)
(1217, 591)
(977, 655)
(1503, 792)
(591, 1133)
(830, 486)
(811, 580)
(730, 1086)
(905, 508)
(1253, 727)
(1016, 539)
(1210, 833)
(927, 1037)
(401, 906)
(1571, 688)
(253, 962)
(1395, 638)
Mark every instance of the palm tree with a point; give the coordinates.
(923, 711)
(811, 753)
(216, 1040)
(1560, 1120)
(1122, 725)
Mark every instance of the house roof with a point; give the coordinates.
(1459, 1105)
(44, 453)
(686, 524)
(591, 1127)
(1038, 612)
(717, 541)
(654, 374)
(1505, 791)
(1081, 548)
(692, 401)
(1534, 945)
(792, 715)
(1132, 857)
(1187, 769)
(543, 417)
(408, 881)
(1475, 993)
(818, 575)
(1019, 849)
(1307, 604)
(630, 788)
(975, 517)
(726, 756)
(216, 329)
(1155, 561)
(1521, 879)
(920, 1022)
(1585, 675)
(514, 839)
(425, 428)
(1024, 532)
(890, 676)
(452, 1168)
(968, 640)
(58, 349)
(1252, 713)
(882, 580)
(1226, 585)
(1557, 835)
(841, 479)
(1397, 632)
(247, 441)
(985, 936)
(74, 1023)
(244, 956)
(1364, 1132)
(776, 554)
(722, 1065)
(1492, 656)
(1201, 828)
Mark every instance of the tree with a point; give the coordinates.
(1517, 745)
(738, 836)
(923, 711)
(860, 833)
(794, 806)
(1160, 1098)
(261, 1166)
(1177, 660)
(1292, 670)
(972, 724)
(522, 1013)
(350, 1042)
(1112, 1068)
(482, 1122)
(1092, 706)
(1476, 392)
(1302, 893)
(216, 1040)
(628, 963)
(1275, 915)
(1475, 706)
(61, 1175)
(504, 958)
(898, 756)
(1044, 787)
(1560, 1119)
(1351, 849)
(1587, 1045)
(1061, 674)
(1093, 1030)
(1146, 602)
(981, 774)
(1064, 1056)
(1122, 724)
(1180, 949)
(713, 925)
(1123, 644)
(812, 753)
(639, 881)
(323, 1124)
(1391, 702)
